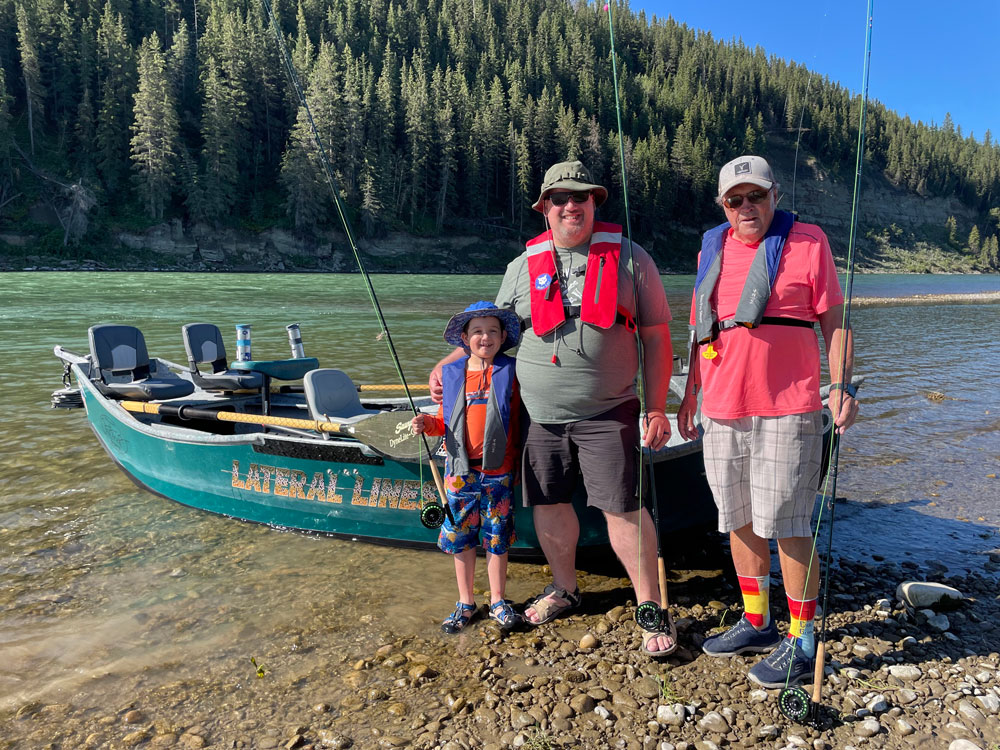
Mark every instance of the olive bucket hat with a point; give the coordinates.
(569, 175)
(511, 323)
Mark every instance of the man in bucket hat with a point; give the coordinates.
(573, 289)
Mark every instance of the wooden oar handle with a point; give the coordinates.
(392, 387)
(191, 412)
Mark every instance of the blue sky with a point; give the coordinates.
(928, 59)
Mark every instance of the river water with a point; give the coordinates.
(107, 589)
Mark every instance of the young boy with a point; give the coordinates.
(479, 419)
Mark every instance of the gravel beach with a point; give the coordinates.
(896, 677)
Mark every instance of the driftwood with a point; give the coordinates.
(71, 202)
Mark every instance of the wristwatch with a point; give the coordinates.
(849, 389)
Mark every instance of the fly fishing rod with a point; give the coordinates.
(649, 615)
(431, 515)
(795, 702)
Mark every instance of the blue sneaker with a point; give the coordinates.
(788, 665)
(742, 638)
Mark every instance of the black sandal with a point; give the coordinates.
(504, 615)
(457, 620)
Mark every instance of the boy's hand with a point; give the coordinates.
(417, 424)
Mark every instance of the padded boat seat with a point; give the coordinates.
(203, 343)
(120, 351)
(332, 394)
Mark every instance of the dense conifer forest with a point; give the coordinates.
(440, 116)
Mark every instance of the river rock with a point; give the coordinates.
(868, 728)
(990, 703)
(970, 712)
(938, 623)
(582, 703)
(904, 728)
(905, 672)
(963, 745)
(588, 641)
(923, 594)
(647, 687)
(671, 716)
(877, 705)
(713, 721)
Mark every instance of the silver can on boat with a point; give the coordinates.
(295, 340)
(243, 342)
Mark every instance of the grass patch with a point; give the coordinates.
(668, 694)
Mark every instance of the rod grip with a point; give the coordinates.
(818, 672)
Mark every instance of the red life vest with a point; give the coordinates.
(599, 306)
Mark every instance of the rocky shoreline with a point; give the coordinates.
(896, 678)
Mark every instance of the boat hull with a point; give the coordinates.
(334, 487)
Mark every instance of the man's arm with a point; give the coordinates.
(843, 407)
(657, 361)
(437, 390)
(689, 404)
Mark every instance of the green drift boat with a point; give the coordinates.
(317, 457)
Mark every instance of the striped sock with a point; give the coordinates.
(801, 627)
(755, 600)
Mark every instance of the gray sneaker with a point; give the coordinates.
(787, 666)
(743, 638)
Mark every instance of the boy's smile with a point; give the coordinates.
(483, 337)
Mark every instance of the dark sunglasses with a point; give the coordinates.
(754, 196)
(561, 199)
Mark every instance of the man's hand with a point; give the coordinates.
(437, 389)
(655, 429)
(685, 417)
(844, 409)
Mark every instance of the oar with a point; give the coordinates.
(368, 388)
(387, 432)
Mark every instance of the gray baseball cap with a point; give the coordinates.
(746, 170)
(569, 175)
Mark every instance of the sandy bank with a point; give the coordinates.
(973, 298)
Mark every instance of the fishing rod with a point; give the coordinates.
(795, 702)
(431, 515)
(648, 615)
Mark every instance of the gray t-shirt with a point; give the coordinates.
(596, 367)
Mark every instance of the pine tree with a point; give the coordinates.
(155, 147)
(115, 75)
(31, 69)
(974, 241)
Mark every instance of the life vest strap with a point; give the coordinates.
(573, 311)
(725, 325)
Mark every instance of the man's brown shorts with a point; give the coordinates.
(603, 449)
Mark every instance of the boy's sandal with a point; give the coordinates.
(669, 632)
(548, 610)
(458, 619)
(504, 615)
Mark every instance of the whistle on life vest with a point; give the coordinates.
(709, 352)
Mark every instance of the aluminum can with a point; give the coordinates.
(243, 343)
(295, 340)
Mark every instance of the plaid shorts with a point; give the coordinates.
(479, 502)
(764, 471)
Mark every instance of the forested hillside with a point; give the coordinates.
(440, 116)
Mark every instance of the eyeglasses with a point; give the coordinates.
(560, 199)
(754, 196)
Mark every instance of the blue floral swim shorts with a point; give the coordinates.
(479, 502)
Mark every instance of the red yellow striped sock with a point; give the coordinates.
(801, 626)
(756, 606)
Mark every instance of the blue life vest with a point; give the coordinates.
(497, 427)
(760, 277)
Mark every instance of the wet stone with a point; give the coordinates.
(582, 703)
(713, 721)
(647, 687)
(134, 717)
(867, 728)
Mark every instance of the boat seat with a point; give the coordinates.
(119, 352)
(203, 343)
(331, 394)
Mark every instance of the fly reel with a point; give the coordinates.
(432, 516)
(649, 616)
(794, 703)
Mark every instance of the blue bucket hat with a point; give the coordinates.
(482, 309)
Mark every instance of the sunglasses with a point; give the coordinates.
(754, 196)
(561, 199)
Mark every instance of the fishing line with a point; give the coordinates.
(648, 615)
(342, 213)
(794, 702)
